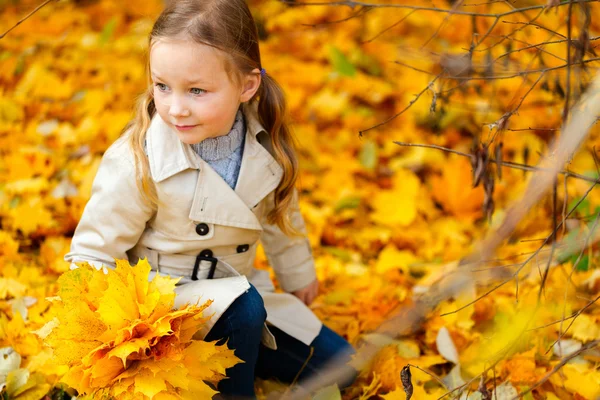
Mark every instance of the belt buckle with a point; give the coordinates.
(208, 256)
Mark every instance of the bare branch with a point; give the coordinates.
(568, 82)
(389, 27)
(26, 17)
(558, 366)
(507, 164)
(360, 133)
(353, 4)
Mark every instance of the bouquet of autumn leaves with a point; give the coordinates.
(120, 337)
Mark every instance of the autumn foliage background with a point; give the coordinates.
(384, 219)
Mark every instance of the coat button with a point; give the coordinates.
(206, 253)
(202, 229)
(242, 248)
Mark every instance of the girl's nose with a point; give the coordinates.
(178, 109)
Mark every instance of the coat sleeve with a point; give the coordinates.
(114, 217)
(290, 257)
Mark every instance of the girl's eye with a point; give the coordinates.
(197, 91)
(161, 86)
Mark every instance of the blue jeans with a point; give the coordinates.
(241, 326)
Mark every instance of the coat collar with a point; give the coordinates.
(214, 200)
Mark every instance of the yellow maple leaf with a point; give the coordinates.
(29, 161)
(21, 384)
(418, 393)
(453, 189)
(8, 246)
(521, 369)
(52, 252)
(387, 365)
(392, 258)
(30, 215)
(40, 82)
(11, 288)
(580, 379)
(397, 207)
(120, 337)
(503, 340)
(585, 328)
(16, 334)
(328, 104)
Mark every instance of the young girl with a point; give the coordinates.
(204, 171)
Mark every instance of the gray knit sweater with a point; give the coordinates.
(224, 153)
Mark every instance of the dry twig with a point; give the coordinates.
(26, 17)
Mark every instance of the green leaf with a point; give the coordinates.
(107, 31)
(582, 208)
(583, 264)
(328, 393)
(20, 66)
(571, 250)
(365, 61)
(342, 254)
(14, 202)
(347, 202)
(364, 111)
(527, 396)
(5, 55)
(340, 62)
(368, 155)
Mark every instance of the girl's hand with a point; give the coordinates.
(308, 293)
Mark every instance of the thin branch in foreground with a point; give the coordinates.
(558, 366)
(551, 237)
(508, 164)
(26, 17)
(413, 101)
(561, 333)
(352, 4)
(434, 376)
(532, 129)
(574, 315)
(515, 274)
(488, 33)
(568, 80)
(359, 13)
(389, 27)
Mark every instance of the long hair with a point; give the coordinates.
(226, 25)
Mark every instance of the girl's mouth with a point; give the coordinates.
(184, 127)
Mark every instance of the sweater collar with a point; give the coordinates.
(221, 147)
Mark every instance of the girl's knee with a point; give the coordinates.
(250, 310)
(330, 344)
(246, 315)
(331, 347)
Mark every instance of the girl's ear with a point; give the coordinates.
(250, 85)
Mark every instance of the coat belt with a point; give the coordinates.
(183, 264)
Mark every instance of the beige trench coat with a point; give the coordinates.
(200, 211)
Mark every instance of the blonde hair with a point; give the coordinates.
(226, 25)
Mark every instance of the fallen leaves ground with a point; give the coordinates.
(384, 220)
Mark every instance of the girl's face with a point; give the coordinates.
(192, 91)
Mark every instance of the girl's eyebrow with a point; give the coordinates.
(186, 81)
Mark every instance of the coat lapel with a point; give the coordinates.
(259, 173)
(214, 201)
